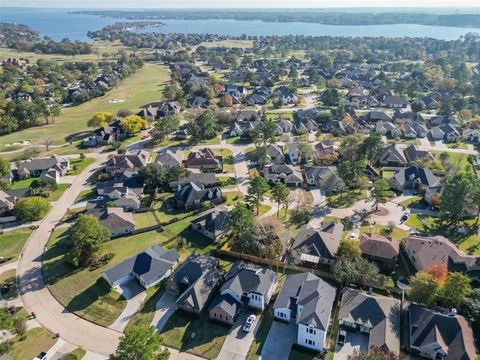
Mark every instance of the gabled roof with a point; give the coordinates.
(411, 173)
(392, 152)
(322, 243)
(169, 157)
(192, 192)
(214, 221)
(412, 153)
(114, 218)
(379, 246)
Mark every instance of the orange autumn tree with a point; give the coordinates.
(439, 272)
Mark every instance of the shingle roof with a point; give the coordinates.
(214, 221)
(379, 246)
(411, 173)
(169, 157)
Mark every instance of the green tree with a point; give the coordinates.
(349, 248)
(175, 173)
(86, 237)
(424, 289)
(381, 192)
(153, 175)
(133, 124)
(418, 106)
(203, 127)
(455, 289)
(6, 320)
(375, 353)
(256, 191)
(4, 167)
(455, 192)
(280, 194)
(31, 209)
(241, 220)
(164, 127)
(141, 343)
(100, 119)
(372, 146)
(331, 97)
(356, 270)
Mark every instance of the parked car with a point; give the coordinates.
(249, 323)
(341, 337)
(404, 217)
(353, 236)
(41, 356)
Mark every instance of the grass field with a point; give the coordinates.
(229, 43)
(397, 232)
(76, 354)
(227, 159)
(138, 90)
(11, 243)
(454, 159)
(78, 165)
(78, 289)
(37, 340)
(145, 219)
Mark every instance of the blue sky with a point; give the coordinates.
(239, 3)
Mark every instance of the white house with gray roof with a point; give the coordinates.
(308, 300)
(49, 167)
(169, 158)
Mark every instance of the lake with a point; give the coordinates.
(59, 24)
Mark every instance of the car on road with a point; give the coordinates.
(41, 356)
(341, 337)
(249, 323)
(404, 217)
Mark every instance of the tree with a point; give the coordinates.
(175, 173)
(123, 113)
(164, 127)
(140, 343)
(305, 151)
(356, 270)
(241, 221)
(86, 236)
(375, 353)
(418, 106)
(204, 127)
(453, 200)
(381, 192)
(455, 289)
(424, 289)
(20, 324)
(47, 142)
(226, 101)
(256, 191)
(439, 272)
(372, 146)
(330, 97)
(100, 119)
(4, 167)
(134, 124)
(349, 248)
(153, 175)
(471, 306)
(280, 194)
(32, 208)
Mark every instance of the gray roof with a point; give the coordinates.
(324, 175)
(190, 192)
(214, 221)
(200, 179)
(432, 330)
(42, 164)
(147, 265)
(227, 303)
(392, 152)
(315, 296)
(412, 153)
(114, 218)
(425, 176)
(169, 157)
(380, 313)
(321, 242)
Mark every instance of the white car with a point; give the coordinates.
(41, 356)
(249, 323)
(353, 236)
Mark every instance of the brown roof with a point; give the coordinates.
(379, 246)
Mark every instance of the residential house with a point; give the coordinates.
(396, 102)
(374, 316)
(434, 335)
(471, 135)
(305, 126)
(248, 115)
(334, 127)
(148, 267)
(412, 153)
(424, 252)
(117, 220)
(289, 175)
(286, 96)
(128, 162)
(168, 108)
(447, 133)
(194, 282)
(318, 245)
(326, 177)
(204, 159)
(52, 167)
(388, 129)
(275, 154)
(169, 158)
(307, 300)
(295, 155)
(246, 285)
(235, 90)
(199, 102)
(438, 120)
(324, 151)
(7, 202)
(255, 99)
(413, 177)
(106, 135)
(382, 250)
(284, 126)
(392, 155)
(212, 224)
(203, 180)
(376, 115)
(192, 196)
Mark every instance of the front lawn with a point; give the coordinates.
(86, 195)
(8, 279)
(227, 182)
(78, 165)
(12, 242)
(232, 197)
(144, 316)
(37, 340)
(58, 192)
(415, 202)
(76, 354)
(292, 219)
(197, 336)
(346, 199)
(227, 160)
(33, 183)
(164, 209)
(397, 232)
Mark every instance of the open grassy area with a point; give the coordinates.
(290, 219)
(228, 44)
(9, 279)
(227, 182)
(37, 340)
(232, 197)
(415, 202)
(145, 219)
(227, 159)
(85, 195)
(453, 160)
(397, 232)
(138, 90)
(78, 289)
(76, 354)
(420, 222)
(33, 183)
(55, 194)
(78, 165)
(237, 140)
(346, 199)
(11, 243)
(165, 210)
(191, 335)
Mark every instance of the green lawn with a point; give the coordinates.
(76, 354)
(138, 90)
(37, 340)
(420, 222)
(144, 316)
(237, 140)
(85, 195)
(78, 165)
(33, 182)
(415, 202)
(57, 193)
(388, 174)
(453, 159)
(346, 199)
(457, 145)
(227, 159)
(397, 232)
(197, 336)
(290, 220)
(227, 182)
(12, 242)
(8, 278)
(164, 209)
(232, 197)
(145, 219)
(78, 289)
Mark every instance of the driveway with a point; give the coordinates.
(165, 307)
(238, 342)
(318, 198)
(279, 341)
(354, 341)
(134, 294)
(424, 141)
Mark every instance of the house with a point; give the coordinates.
(192, 196)
(128, 162)
(308, 300)
(289, 175)
(235, 90)
(255, 99)
(382, 250)
(447, 133)
(424, 252)
(335, 127)
(305, 126)
(212, 224)
(204, 159)
(55, 166)
(7, 202)
(194, 282)
(392, 155)
(412, 153)
(106, 135)
(203, 180)
(412, 130)
(169, 158)
(275, 154)
(115, 219)
(122, 184)
(284, 126)
(413, 177)
(294, 154)
(199, 102)
(396, 102)
(326, 177)
(286, 96)
(318, 246)
(376, 115)
(148, 267)
(374, 316)
(168, 108)
(430, 102)
(388, 129)
(434, 335)
(324, 151)
(246, 285)
(471, 135)
(248, 115)
(438, 120)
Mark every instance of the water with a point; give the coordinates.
(59, 24)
